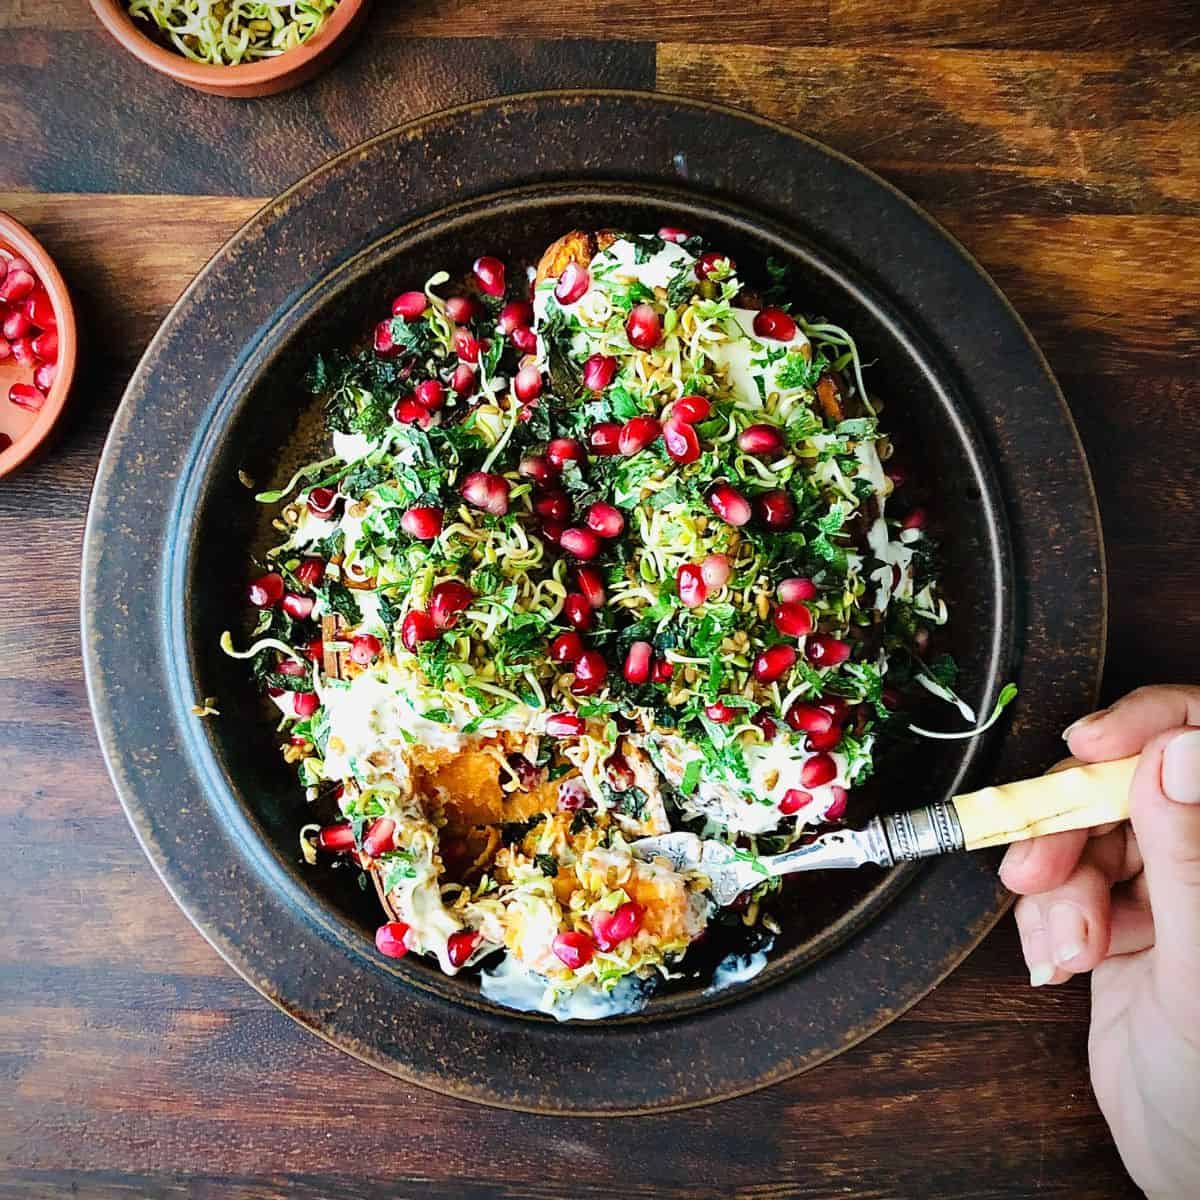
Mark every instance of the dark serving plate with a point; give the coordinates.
(969, 401)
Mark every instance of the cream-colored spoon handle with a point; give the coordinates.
(1077, 798)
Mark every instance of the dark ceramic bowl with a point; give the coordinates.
(969, 403)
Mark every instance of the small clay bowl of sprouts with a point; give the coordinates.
(238, 48)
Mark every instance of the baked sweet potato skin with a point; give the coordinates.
(579, 247)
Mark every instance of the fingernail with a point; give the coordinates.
(1082, 722)
(1040, 974)
(1014, 856)
(1181, 768)
(1068, 932)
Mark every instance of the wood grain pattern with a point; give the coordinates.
(1060, 143)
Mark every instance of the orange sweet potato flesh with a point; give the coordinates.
(579, 247)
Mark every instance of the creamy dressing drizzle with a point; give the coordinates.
(514, 986)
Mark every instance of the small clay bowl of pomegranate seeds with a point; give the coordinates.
(37, 344)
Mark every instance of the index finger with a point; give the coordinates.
(1132, 721)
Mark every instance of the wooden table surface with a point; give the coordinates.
(1060, 142)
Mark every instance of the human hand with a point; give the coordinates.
(1124, 903)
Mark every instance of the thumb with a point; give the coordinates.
(1165, 804)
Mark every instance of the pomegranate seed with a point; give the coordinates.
(619, 773)
(689, 580)
(808, 718)
(691, 409)
(26, 396)
(408, 410)
(793, 620)
(528, 383)
(417, 627)
(643, 327)
(409, 305)
(775, 324)
(524, 339)
(380, 837)
(598, 372)
(915, 519)
(385, 345)
(423, 522)
(824, 651)
(322, 501)
(572, 284)
(389, 939)
(793, 801)
(715, 571)
(729, 504)
(554, 506)
(466, 345)
(463, 309)
(590, 672)
(760, 440)
(516, 314)
(663, 671)
(578, 611)
(299, 607)
(796, 589)
(16, 324)
(817, 771)
(605, 520)
(765, 722)
(611, 929)
(681, 441)
(311, 571)
(22, 352)
(637, 433)
(637, 662)
(489, 274)
(17, 263)
(537, 467)
(462, 382)
(591, 584)
(720, 714)
(447, 600)
(710, 261)
(582, 543)
(564, 724)
(776, 509)
(39, 308)
(573, 950)
(365, 649)
(16, 286)
(566, 648)
(461, 945)
(267, 590)
(291, 666)
(774, 662)
(605, 438)
(486, 491)
(837, 806)
(6, 349)
(564, 450)
(43, 377)
(315, 650)
(336, 838)
(669, 233)
(836, 707)
(304, 704)
(827, 740)
(430, 394)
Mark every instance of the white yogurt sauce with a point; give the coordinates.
(742, 359)
(737, 968)
(514, 986)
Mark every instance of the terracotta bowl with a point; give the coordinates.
(263, 78)
(29, 431)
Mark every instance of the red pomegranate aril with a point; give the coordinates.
(45, 346)
(765, 722)
(582, 543)
(591, 584)
(523, 339)
(516, 314)
(365, 649)
(315, 650)
(16, 286)
(715, 571)
(423, 522)
(611, 929)
(837, 806)
(22, 352)
(796, 589)
(39, 308)
(16, 324)
(489, 274)
(605, 438)
(462, 309)
(590, 673)
(689, 580)
(774, 662)
(466, 345)
(572, 284)
(537, 467)
(619, 773)
(336, 838)
(915, 519)
(553, 506)
(605, 520)
(573, 950)
(564, 450)
(322, 501)
(794, 799)
(836, 707)
(565, 724)
(827, 740)
(390, 939)
(417, 627)
(662, 671)
(729, 504)
(430, 394)
(775, 324)
(760, 440)
(409, 411)
(462, 382)
(304, 704)
(775, 509)
(578, 611)
(311, 571)
(824, 651)
(793, 620)
(43, 377)
(385, 345)
(267, 590)
(409, 305)
(818, 770)
(638, 661)
(681, 441)
(808, 718)
(486, 491)
(447, 600)
(26, 396)
(291, 666)
(691, 409)
(461, 945)
(379, 838)
(708, 262)
(299, 607)
(598, 372)
(669, 233)
(636, 434)
(566, 648)
(720, 714)
(643, 327)
(552, 530)
(528, 383)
